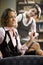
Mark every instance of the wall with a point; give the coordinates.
(6, 4)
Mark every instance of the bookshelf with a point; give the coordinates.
(39, 27)
(24, 5)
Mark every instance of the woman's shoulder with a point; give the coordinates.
(32, 19)
(1, 29)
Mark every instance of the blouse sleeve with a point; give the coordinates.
(33, 26)
(2, 35)
(19, 17)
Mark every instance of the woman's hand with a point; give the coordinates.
(23, 49)
(1, 56)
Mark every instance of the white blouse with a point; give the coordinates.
(19, 18)
(22, 48)
(2, 35)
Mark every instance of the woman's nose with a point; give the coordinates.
(14, 19)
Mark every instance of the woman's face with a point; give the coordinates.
(11, 19)
(33, 12)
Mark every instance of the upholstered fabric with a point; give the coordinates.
(22, 60)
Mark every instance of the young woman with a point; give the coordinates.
(9, 38)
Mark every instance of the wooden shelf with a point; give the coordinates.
(39, 40)
(41, 31)
(28, 3)
(25, 4)
(40, 22)
(21, 11)
(39, 26)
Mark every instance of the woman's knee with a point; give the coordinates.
(36, 46)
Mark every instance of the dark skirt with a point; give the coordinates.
(30, 53)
